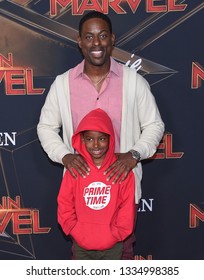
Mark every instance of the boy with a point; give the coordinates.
(96, 213)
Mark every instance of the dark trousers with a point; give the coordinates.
(128, 243)
(113, 253)
(126, 247)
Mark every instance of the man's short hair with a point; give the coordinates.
(94, 14)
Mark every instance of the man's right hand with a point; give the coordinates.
(74, 161)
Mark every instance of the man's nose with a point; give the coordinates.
(96, 40)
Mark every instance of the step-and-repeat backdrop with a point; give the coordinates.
(38, 42)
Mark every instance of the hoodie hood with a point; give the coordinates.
(96, 120)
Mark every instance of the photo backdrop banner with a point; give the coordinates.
(37, 43)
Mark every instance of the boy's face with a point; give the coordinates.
(97, 144)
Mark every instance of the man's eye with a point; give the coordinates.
(103, 36)
(88, 37)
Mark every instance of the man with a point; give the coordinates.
(100, 82)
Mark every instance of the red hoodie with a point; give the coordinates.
(95, 212)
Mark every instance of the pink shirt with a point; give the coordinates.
(84, 96)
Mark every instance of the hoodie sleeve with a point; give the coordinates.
(66, 213)
(123, 221)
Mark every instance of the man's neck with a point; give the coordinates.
(95, 70)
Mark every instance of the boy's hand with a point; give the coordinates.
(74, 161)
(121, 167)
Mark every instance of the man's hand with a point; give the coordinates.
(74, 161)
(121, 167)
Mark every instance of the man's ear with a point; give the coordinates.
(79, 41)
(113, 39)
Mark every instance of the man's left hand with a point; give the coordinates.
(121, 167)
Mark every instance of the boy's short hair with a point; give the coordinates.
(94, 14)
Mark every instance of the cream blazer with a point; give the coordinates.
(141, 129)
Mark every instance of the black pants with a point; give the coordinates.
(113, 253)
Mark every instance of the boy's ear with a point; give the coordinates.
(82, 137)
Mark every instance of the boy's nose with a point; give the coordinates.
(95, 143)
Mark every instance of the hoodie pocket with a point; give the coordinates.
(93, 236)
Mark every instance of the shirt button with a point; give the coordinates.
(97, 98)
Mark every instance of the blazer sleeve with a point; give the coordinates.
(54, 112)
(66, 213)
(123, 222)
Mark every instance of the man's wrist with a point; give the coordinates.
(135, 155)
(64, 159)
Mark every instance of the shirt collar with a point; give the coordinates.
(80, 68)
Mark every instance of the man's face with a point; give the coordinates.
(96, 41)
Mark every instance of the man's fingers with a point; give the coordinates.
(72, 172)
(112, 174)
(119, 172)
(83, 165)
(110, 168)
(122, 178)
(76, 165)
